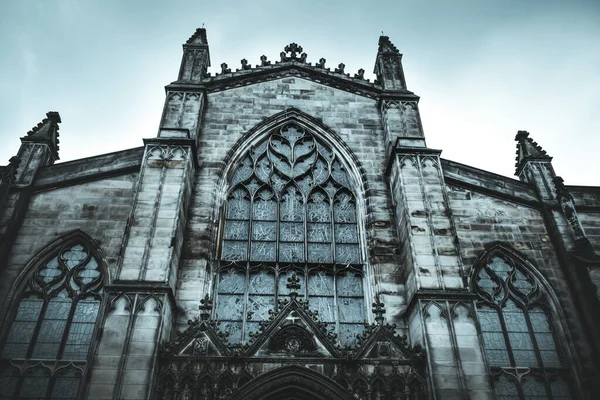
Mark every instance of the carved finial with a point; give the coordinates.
(264, 61)
(340, 68)
(303, 57)
(245, 65)
(10, 171)
(205, 308)
(293, 48)
(224, 69)
(294, 285)
(561, 189)
(567, 204)
(360, 74)
(321, 63)
(378, 310)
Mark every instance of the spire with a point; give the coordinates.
(46, 132)
(528, 150)
(386, 46)
(198, 38)
(388, 66)
(196, 57)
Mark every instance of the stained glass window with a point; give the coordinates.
(53, 325)
(290, 207)
(518, 335)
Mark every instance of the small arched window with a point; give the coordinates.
(518, 332)
(290, 208)
(44, 353)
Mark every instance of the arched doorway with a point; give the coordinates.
(293, 383)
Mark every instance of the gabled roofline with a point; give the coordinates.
(245, 77)
(88, 169)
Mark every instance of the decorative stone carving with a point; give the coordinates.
(567, 204)
(166, 156)
(401, 118)
(263, 61)
(224, 69)
(266, 361)
(292, 339)
(290, 53)
(245, 64)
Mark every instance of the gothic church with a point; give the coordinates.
(288, 234)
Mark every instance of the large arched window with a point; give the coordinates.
(44, 353)
(290, 208)
(518, 332)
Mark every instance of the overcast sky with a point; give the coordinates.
(484, 68)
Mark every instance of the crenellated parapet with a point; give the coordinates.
(292, 53)
(292, 62)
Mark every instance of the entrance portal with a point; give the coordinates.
(293, 383)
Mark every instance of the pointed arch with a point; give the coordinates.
(256, 134)
(520, 324)
(292, 198)
(76, 236)
(293, 380)
(52, 316)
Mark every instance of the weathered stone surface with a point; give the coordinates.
(425, 226)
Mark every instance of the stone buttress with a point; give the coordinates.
(39, 148)
(141, 304)
(440, 313)
(576, 256)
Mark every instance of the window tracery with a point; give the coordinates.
(290, 208)
(518, 334)
(45, 351)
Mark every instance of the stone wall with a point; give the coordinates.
(482, 220)
(100, 208)
(232, 113)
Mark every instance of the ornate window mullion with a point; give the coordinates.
(513, 308)
(536, 349)
(305, 224)
(43, 335)
(38, 325)
(63, 340)
(250, 228)
(336, 310)
(245, 305)
(511, 355)
(332, 227)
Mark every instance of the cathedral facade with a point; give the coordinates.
(288, 234)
